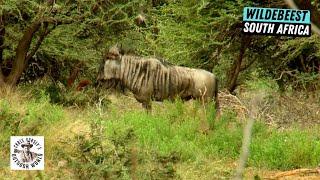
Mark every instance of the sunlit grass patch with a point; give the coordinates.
(175, 131)
(292, 148)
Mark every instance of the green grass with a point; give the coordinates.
(271, 148)
(292, 148)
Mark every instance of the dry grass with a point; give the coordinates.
(298, 108)
(214, 169)
(15, 98)
(229, 102)
(73, 123)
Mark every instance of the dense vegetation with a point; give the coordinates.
(50, 37)
(48, 47)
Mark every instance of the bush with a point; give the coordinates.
(115, 154)
(59, 94)
(21, 117)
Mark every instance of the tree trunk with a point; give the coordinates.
(315, 15)
(22, 49)
(1, 77)
(304, 4)
(23, 52)
(236, 67)
(2, 33)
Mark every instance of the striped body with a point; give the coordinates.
(154, 79)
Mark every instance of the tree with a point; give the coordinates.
(36, 20)
(26, 25)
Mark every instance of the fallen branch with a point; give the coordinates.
(296, 172)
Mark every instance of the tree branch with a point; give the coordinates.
(2, 33)
(22, 56)
(286, 72)
(56, 21)
(255, 103)
(45, 32)
(303, 64)
(246, 66)
(236, 66)
(19, 62)
(1, 76)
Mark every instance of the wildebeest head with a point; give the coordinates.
(109, 71)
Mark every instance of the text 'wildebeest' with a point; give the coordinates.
(154, 79)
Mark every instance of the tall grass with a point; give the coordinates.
(288, 149)
(270, 148)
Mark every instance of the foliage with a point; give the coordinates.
(98, 157)
(182, 136)
(203, 34)
(114, 154)
(298, 63)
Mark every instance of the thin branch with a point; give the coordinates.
(246, 66)
(256, 102)
(303, 64)
(57, 21)
(1, 77)
(2, 46)
(286, 72)
(2, 34)
(245, 149)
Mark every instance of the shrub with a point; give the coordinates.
(58, 93)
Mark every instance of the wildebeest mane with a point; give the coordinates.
(165, 62)
(134, 56)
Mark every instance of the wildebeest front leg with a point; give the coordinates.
(145, 101)
(147, 106)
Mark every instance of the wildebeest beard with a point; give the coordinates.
(112, 84)
(109, 84)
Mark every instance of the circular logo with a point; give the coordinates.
(27, 153)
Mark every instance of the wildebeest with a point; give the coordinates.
(154, 79)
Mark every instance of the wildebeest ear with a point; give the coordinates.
(114, 49)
